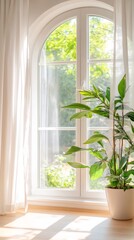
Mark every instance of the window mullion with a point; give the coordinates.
(78, 84)
(83, 85)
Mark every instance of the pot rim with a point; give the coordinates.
(119, 189)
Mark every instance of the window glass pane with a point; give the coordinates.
(100, 75)
(57, 88)
(100, 38)
(54, 171)
(61, 44)
(98, 121)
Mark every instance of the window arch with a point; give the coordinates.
(75, 51)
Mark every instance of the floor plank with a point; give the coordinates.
(64, 225)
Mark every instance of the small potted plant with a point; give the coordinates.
(119, 166)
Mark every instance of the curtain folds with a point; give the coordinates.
(123, 61)
(124, 44)
(14, 104)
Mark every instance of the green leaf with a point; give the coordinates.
(121, 137)
(132, 127)
(122, 106)
(131, 163)
(128, 173)
(117, 101)
(101, 143)
(114, 184)
(111, 165)
(78, 106)
(122, 87)
(97, 153)
(81, 114)
(84, 92)
(118, 107)
(89, 99)
(97, 170)
(88, 93)
(123, 162)
(77, 165)
(130, 115)
(101, 112)
(96, 138)
(73, 149)
(113, 177)
(108, 93)
(119, 172)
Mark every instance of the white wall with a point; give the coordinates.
(37, 7)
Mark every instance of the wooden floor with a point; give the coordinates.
(64, 225)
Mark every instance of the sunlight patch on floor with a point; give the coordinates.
(16, 233)
(43, 226)
(84, 223)
(35, 221)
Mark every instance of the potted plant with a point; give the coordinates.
(119, 165)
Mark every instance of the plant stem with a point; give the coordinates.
(127, 159)
(127, 136)
(123, 128)
(114, 146)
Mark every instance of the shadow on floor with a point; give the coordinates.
(64, 226)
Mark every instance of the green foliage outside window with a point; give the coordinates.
(61, 46)
(59, 174)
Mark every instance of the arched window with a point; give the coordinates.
(76, 51)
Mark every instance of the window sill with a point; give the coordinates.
(78, 203)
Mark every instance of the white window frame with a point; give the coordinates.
(81, 190)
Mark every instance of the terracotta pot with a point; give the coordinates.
(121, 203)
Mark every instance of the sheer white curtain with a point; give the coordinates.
(123, 62)
(124, 44)
(48, 114)
(14, 104)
